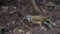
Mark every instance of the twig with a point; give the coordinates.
(36, 7)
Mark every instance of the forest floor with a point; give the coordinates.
(11, 19)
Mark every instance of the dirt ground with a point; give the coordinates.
(12, 13)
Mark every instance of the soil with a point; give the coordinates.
(11, 14)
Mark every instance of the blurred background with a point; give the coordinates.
(12, 12)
